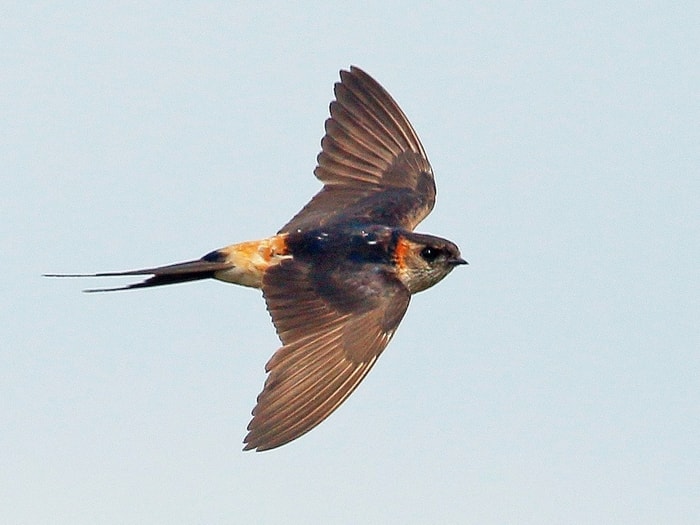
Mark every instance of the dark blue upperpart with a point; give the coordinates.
(354, 241)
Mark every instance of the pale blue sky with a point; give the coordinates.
(554, 380)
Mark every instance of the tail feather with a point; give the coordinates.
(161, 275)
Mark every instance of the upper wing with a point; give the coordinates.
(332, 333)
(372, 163)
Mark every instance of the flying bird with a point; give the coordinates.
(338, 277)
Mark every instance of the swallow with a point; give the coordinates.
(338, 277)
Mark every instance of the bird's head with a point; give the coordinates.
(424, 260)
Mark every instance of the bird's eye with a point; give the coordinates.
(429, 254)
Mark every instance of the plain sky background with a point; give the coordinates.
(554, 380)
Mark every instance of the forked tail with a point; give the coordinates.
(162, 275)
(243, 263)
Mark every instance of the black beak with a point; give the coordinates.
(456, 261)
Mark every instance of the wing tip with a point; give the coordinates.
(250, 443)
